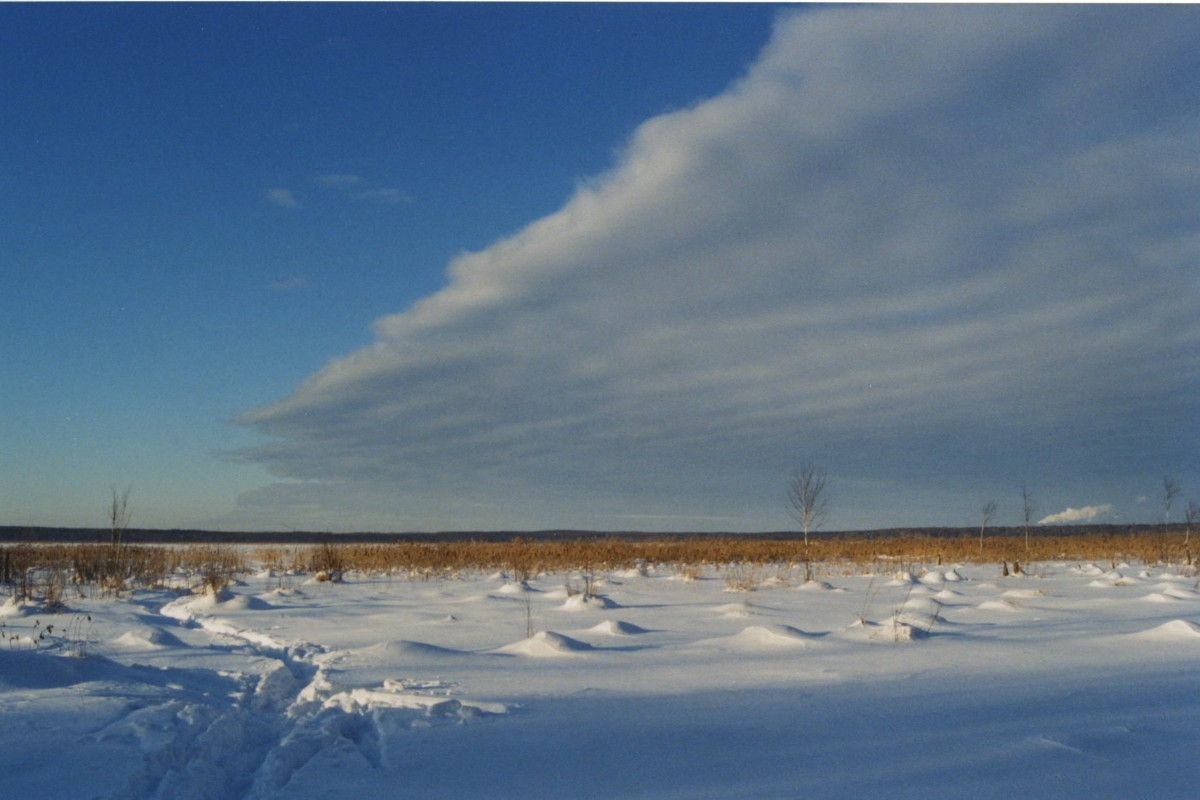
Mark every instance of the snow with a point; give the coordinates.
(1070, 681)
(545, 644)
(616, 627)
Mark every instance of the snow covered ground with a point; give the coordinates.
(1078, 681)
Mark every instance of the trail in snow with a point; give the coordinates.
(275, 721)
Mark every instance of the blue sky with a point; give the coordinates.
(452, 266)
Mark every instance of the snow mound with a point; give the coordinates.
(517, 588)
(616, 628)
(953, 575)
(762, 636)
(933, 578)
(1024, 593)
(948, 594)
(1177, 630)
(997, 605)
(816, 586)
(245, 602)
(210, 600)
(183, 607)
(405, 648)
(901, 579)
(545, 644)
(894, 630)
(1159, 597)
(735, 610)
(149, 638)
(925, 606)
(1102, 583)
(1179, 593)
(582, 602)
(12, 607)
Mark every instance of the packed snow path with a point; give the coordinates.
(1077, 682)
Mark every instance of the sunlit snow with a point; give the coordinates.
(1070, 681)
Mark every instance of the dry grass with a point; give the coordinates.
(523, 559)
(47, 572)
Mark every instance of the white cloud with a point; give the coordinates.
(1085, 514)
(356, 187)
(906, 237)
(285, 198)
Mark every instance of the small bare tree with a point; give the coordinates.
(807, 501)
(119, 514)
(989, 511)
(1027, 510)
(1191, 515)
(1170, 492)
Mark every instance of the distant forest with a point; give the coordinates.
(17, 533)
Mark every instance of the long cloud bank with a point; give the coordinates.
(909, 240)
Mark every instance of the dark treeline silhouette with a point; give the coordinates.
(17, 533)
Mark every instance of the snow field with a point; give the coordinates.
(1079, 682)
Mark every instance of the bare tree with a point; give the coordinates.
(1027, 510)
(1170, 492)
(1191, 515)
(806, 497)
(989, 511)
(119, 514)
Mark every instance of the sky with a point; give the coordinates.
(414, 267)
